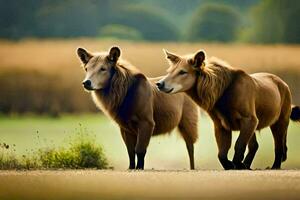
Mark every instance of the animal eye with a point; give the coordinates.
(102, 69)
(85, 69)
(181, 72)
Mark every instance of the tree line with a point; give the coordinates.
(264, 21)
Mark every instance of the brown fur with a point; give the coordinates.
(235, 100)
(133, 101)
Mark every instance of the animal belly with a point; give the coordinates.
(267, 115)
(165, 126)
(167, 112)
(166, 121)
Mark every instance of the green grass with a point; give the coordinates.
(27, 134)
(79, 152)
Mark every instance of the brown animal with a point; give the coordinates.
(234, 100)
(133, 101)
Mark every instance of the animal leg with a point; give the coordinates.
(252, 149)
(190, 148)
(223, 138)
(248, 127)
(130, 141)
(279, 132)
(145, 130)
(189, 143)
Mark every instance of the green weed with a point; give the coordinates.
(80, 152)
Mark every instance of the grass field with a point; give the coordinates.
(164, 152)
(53, 55)
(83, 185)
(44, 76)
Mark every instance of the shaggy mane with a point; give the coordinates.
(214, 78)
(111, 98)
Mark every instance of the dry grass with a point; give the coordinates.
(52, 55)
(58, 58)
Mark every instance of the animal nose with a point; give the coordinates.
(87, 84)
(160, 85)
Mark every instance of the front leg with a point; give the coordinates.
(145, 129)
(130, 141)
(247, 129)
(223, 138)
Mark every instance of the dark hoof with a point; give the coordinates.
(247, 167)
(229, 166)
(139, 168)
(240, 166)
(130, 168)
(276, 168)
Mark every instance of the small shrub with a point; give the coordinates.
(8, 161)
(81, 153)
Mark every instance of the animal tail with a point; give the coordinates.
(295, 115)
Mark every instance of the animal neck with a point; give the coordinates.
(111, 98)
(211, 84)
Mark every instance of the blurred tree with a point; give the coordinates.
(268, 25)
(149, 21)
(244, 4)
(291, 14)
(17, 18)
(276, 21)
(214, 22)
(76, 18)
(70, 18)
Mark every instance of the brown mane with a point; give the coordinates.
(214, 78)
(110, 99)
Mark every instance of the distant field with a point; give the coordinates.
(44, 76)
(206, 184)
(53, 55)
(164, 152)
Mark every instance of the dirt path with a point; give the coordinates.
(87, 185)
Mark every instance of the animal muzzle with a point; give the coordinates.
(161, 86)
(87, 84)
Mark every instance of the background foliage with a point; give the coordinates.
(264, 21)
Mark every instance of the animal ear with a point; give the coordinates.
(171, 57)
(84, 55)
(114, 54)
(198, 60)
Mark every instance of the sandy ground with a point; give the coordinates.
(96, 184)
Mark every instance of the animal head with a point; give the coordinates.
(99, 67)
(182, 73)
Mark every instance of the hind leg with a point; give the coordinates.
(190, 148)
(189, 141)
(252, 149)
(248, 127)
(279, 131)
(284, 157)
